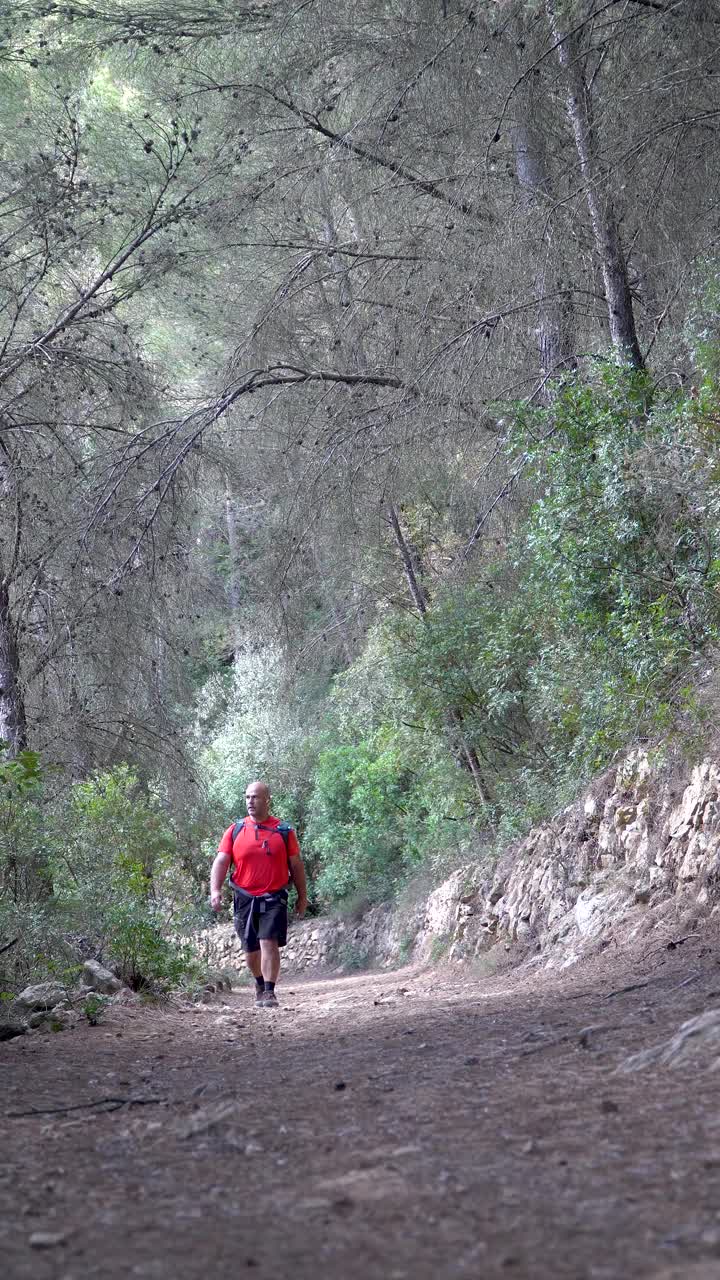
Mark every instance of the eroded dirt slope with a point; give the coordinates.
(408, 1124)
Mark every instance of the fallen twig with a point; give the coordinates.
(547, 1044)
(111, 1104)
(7, 945)
(686, 981)
(595, 1028)
(677, 942)
(621, 991)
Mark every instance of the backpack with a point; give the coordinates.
(283, 829)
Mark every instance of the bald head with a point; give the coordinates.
(257, 800)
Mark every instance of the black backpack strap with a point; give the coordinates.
(284, 828)
(236, 831)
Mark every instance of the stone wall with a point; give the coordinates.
(642, 845)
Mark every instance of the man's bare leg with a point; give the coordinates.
(269, 959)
(270, 966)
(254, 964)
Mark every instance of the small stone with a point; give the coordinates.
(608, 1107)
(471, 1062)
(339, 1086)
(47, 1239)
(343, 1203)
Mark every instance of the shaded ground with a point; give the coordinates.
(382, 1126)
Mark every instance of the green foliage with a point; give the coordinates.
(24, 876)
(439, 948)
(381, 806)
(93, 1007)
(106, 860)
(144, 956)
(120, 855)
(578, 640)
(703, 325)
(355, 832)
(352, 956)
(405, 948)
(616, 563)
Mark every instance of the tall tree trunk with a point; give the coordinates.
(453, 716)
(410, 569)
(233, 577)
(21, 879)
(555, 330)
(606, 233)
(13, 721)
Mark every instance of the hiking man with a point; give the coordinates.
(265, 854)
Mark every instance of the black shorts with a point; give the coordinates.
(264, 916)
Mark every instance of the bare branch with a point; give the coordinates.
(344, 140)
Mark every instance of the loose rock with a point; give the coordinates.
(697, 1040)
(47, 1239)
(100, 979)
(44, 995)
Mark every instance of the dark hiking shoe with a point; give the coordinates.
(270, 1000)
(260, 999)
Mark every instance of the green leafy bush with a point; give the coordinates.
(576, 639)
(116, 879)
(615, 562)
(89, 869)
(382, 806)
(24, 839)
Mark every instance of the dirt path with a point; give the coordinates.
(382, 1126)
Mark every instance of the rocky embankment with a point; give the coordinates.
(641, 847)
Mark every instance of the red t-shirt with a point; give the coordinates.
(259, 856)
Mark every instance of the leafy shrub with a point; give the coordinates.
(93, 1007)
(115, 876)
(380, 807)
(24, 873)
(352, 956)
(580, 638)
(92, 870)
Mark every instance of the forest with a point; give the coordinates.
(359, 432)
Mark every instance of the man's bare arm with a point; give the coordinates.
(297, 875)
(217, 877)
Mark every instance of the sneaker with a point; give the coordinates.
(259, 998)
(270, 1000)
